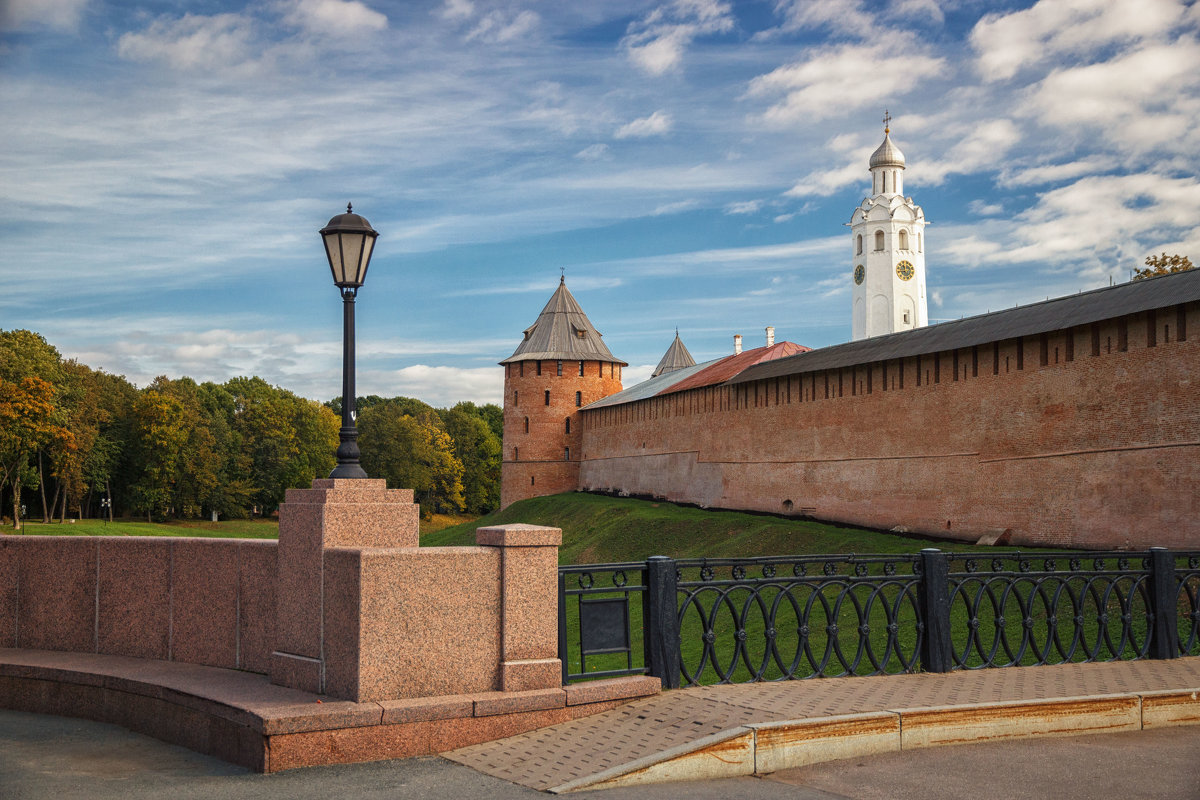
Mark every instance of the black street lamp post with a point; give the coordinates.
(349, 240)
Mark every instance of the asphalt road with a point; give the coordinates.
(54, 758)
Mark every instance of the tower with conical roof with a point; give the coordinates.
(887, 235)
(676, 357)
(559, 367)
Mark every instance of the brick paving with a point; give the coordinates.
(552, 756)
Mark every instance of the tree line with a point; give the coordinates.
(76, 441)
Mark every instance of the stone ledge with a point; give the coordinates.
(243, 718)
(626, 688)
(518, 535)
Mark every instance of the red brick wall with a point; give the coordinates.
(1037, 436)
(534, 461)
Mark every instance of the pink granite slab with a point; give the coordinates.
(493, 703)
(430, 622)
(518, 535)
(8, 592)
(422, 709)
(530, 576)
(134, 597)
(204, 586)
(521, 676)
(612, 689)
(298, 589)
(57, 593)
(257, 576)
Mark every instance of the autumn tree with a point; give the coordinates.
(1163, 264)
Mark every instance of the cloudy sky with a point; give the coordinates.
(165, 166)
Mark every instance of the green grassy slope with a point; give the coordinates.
(600, 529)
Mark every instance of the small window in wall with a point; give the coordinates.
(581, 369)
(578, 399)
(566, 454)
(527, 424)
(906, 322)
(878, 240)
(514, 397)
(539, 367)
(858, 249)
(547, 397)
(516, 454)
(532, 481)
(903, 240)
(522, 366)
(568, 424)
(560, 369)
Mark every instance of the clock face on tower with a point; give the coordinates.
(905, 271)
(860, 272)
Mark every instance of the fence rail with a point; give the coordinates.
(702, 621)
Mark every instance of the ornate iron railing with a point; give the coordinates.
(705, 621)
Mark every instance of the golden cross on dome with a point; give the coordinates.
(887, 121)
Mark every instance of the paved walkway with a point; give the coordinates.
(632, 739)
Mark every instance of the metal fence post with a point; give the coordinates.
(562, 624)
(937, 650)
(1164, 597)
(660, 621)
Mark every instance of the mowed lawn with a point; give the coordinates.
(598, 529)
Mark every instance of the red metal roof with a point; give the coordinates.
(730, 366)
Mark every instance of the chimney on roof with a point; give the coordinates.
(737, 343)
(770, 335)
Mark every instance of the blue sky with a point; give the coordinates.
(691, 164)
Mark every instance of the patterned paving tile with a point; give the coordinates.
(555, 755)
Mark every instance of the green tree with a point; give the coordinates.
(1163, 264)
(477, 447)
(412, 453)
(29, 420)
(159, 436)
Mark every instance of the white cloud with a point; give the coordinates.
(744, 207)
(1052, 173)
(674, 208)
(1142, 98)
(657, 42)
(504, 26)
(838, 79)
(190, 42)
(824, 182)
(657, 124)
(458, 9)
(441, 387)
(593, 152)
(844, 16)
(982, 208)
(981, 148)
(62, 15)
(1006, 43)
(333, 17)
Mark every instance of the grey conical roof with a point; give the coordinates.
(676, 357)
(562, 331)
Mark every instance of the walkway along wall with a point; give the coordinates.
(1084, 437)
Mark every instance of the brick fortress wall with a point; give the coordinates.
(1087, 437)
(538, 403)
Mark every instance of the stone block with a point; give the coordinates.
(423, 709)
(783, 745)
(518, 535)
(257, 575)
(520, 676)
(428, 622)
(928, 727)
(57, 593)
(1170, 707)
(8, 591)
(493, 703)
(204, 587)
(134, 597)
(612, 689)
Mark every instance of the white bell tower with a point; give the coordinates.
(887, 237)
